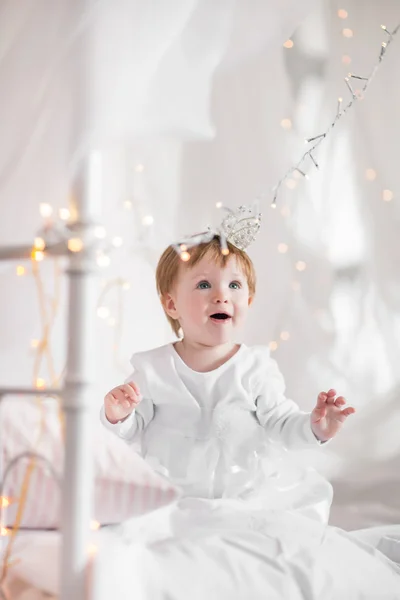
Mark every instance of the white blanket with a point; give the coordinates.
(224, 550)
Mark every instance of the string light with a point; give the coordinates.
(35, 343)
(94, 525)
(185, 256)
(387, 195)
(218, 205)
(301, 265)
(273, 346)
(4, 502)
(285, 336)
(100, 232)
(117, 242)
(75, 245)
(37, 255)
(39, 243)
(283, 248)
(103, 260)
(139, 168)
(148, 220)
(342, 14)
(45, 210)
(288, 44)
(103, 312)
(346, 59)
(92, 549)
(20, 270)
(370, 174)
(40, 383)
(4, 531)
(128, 204)
(286, 123)
(291, 184)
(64, 214)
(347, 33)
(339, 114)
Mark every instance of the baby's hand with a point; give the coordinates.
(328, 416)
(121, 401)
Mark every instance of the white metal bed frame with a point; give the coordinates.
(76, 392)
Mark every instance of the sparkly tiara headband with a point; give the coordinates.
(241, 227)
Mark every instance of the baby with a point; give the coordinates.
(202, 408)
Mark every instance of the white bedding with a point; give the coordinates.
(223, 550)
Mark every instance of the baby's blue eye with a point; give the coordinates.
(203, 285)
(235, 285)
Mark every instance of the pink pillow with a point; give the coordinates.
(125, 485)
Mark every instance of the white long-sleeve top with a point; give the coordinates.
(211, 432)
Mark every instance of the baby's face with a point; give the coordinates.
(211, 302)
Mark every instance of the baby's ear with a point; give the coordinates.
(169, 306)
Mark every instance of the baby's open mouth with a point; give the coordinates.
(220, 317)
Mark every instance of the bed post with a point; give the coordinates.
(78, 396)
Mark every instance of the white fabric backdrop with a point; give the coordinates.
(196, 95)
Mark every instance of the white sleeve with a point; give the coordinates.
(130, 428)
(282, 418)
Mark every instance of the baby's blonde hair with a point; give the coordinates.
(170, 263)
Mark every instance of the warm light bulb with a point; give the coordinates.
(346, 59)
(20, 270)
(291, 184)
(370, 174)
(100, 232)
(183, 247)
(273, 346)
(387, 195)
(343, 14)
(219, 205)
(117, 241)
(35, 343)
(347, 33)
(127, 204)
(285, 336)
(139, 168)
(45, 209)
(4, 502)
(92, 549)
(225, 251)
(75, 245)
(286, 123)
(301, 265)
(103, 260)
(283, 248)
(64, 214)
(288, 44)
(94, 525)
(40, 383)
(37, 255)
(148, 220)
(39, 243)
(103, 312)
(4, 531)
(185, 256)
